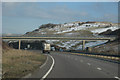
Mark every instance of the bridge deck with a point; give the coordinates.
(59, 38)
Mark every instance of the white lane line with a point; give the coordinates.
(49, 69)
(81, 60)
(117, 77)
(89, 64)
(99, 68)
(44, 63)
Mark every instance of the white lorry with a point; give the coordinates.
(46, 48)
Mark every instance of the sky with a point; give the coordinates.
(22, 17)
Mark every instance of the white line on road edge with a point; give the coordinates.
(117, 77)
(49, 69)
(44, 63)
(99, 68)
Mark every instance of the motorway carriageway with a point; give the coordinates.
(62, 65)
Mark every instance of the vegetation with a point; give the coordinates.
(49, 25)
(18, 63)
(110, 32)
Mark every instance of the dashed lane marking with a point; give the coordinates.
(89, 64)
(99, 68)
(117, 77)
(81, 60)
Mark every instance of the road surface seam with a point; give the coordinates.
(89, 64)
(81, 60)
(49, 69)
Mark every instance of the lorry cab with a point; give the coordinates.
(46, 48)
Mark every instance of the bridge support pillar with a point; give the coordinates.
(83, 45)
(19, 44)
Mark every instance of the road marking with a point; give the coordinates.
(44, 63)
(99, 68)
(89, 64)
(81, 60)
(117, 77)
(49, 69)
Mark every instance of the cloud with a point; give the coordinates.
(33, 10)
(57, 12)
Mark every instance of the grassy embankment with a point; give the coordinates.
(18, 63)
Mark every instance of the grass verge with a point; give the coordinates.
(18, 63)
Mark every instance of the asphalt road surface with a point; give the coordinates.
(61, 65)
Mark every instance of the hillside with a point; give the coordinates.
(73, 29)
(110, 47)
(110, 32)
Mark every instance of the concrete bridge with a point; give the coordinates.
(83, 39)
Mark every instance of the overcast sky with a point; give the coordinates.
(21, 17)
